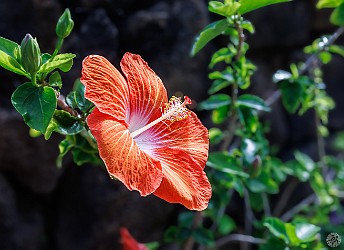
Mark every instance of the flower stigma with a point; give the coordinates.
(174, 110)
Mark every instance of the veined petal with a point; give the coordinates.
(182, 149)
(128, 241)
(123, 158)
(147, 92)
(184, 180)
(188, 135)
(105, 87)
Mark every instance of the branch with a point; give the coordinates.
(309, 62)
(308, 200)
(240, 238)
(61, 103)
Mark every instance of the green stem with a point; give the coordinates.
(33, 79)
(58, 47)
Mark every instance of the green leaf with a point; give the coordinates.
(223, 162)
(250, 5)
(305, 161)
(35, 104)
(209, 33)
(55, 80)
(223, 54)
(220, 114)
(277, 228)
(325, 57)
(65, 124)
(203, 236)
(281, 75)
(79, 95)
(336, 49)
(248, 118)
(62, 61)
(252, 101)
(10, 48)
(292, 93)
(215, 101)
(227, 9)
(65, 146)
(247, 25)
(337, 16)
(218, 85)
(215, 136)
(226, 225)
(306, 232)
(263, 184)
(329, 3)
(319, 186)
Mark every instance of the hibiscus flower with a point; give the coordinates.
(128, 241)
(150, 144)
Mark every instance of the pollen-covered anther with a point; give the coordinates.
(176, 108)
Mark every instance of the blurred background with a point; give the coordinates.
(72, 208)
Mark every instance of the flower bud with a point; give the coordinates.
(30, 54)
(64, 25)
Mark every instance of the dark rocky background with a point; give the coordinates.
(81, 208)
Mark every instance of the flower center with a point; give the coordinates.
(174, 110)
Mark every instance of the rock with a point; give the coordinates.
(29, 161)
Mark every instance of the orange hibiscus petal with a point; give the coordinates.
(122, 156)
(182, 149)
(147, 92)
(105, 86)
(129, 242)
(184, 180)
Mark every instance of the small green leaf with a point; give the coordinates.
(292, 93)
(305, 161)
(10, 48)
(203, 236)
(337, 16)
(55, 80)
(215, 101)
(247, 25)
(250, 5)
(329, 3)
(223, 54)
(252, 101)
(65, 146)
(11, 64)
(281, 75)
(248, 118)
(306, 232)
(227, 9)
(62, 61)
(325, 57)
(336, 49)
(79, 95)
(209, 33)
(65, 124)
(35, 104)
(223, 162)
(218, 85)
(215, 136)
(226, 225)
(220, 114)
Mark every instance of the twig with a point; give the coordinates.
(240, 238)
(289, 214)
(61, 103)
(309, 62)
(267, 209)
(190, 242)
(249, 218)
(284, 197)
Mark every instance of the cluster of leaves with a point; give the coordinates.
(240, 160)
(39, 100)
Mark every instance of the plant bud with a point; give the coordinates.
(30, 54)
(64, 25)
(256, 167)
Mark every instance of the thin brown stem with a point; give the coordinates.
(302, 204)
(284, 197)
(249, 218)
(190, 242)
(238, 238)
(61, 103)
